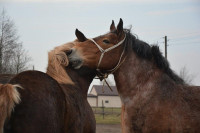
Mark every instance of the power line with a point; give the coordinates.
(156, 41)
(185, 43)
(180, 41)
(191, 38)
(165, 47)
(186, 38)
(186, 34)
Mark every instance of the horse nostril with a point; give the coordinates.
(68, 52)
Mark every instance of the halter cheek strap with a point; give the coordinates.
(103, 76)
(107, 50)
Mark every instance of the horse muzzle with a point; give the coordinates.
(74, 59)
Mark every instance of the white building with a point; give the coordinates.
(109, 98)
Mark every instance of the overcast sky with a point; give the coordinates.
(44, 24)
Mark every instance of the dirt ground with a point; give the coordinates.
(108, 128)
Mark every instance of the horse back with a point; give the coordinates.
(42, 105)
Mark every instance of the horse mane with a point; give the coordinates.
(151, 52)
(57, 61)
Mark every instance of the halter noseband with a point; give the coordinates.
(105, 75)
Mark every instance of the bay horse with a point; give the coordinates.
(51, 102)
(154, 99)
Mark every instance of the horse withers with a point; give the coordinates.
(154, 99)
(52, 102)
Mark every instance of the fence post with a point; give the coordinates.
(103, 108)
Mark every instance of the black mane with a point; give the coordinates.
(145, 51)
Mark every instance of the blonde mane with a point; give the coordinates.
(57, 61)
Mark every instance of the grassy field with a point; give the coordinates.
(108, 119)
(111, 115)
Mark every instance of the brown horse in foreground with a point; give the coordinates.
(154, 99)
(55, 102)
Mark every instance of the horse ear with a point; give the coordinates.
(80, 36)
(120, 27)
(112, 26)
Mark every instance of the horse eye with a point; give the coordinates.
(106, 41)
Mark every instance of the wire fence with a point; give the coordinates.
(106, 110)
(105, 115)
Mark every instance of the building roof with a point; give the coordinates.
(91, 95)
(106, 90)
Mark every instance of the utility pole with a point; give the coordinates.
(166, 47)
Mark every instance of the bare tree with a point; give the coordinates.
(186, 76)
(10, 47)
(20, 59)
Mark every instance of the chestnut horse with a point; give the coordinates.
(55, 102)
(154, 99)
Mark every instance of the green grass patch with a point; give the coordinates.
(108, 119)
(111, 115)
(107, 110)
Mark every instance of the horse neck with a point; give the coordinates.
(135, 76)
(60, 76)
(81, 81)
(66, 77)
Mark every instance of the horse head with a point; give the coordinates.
(104, 52)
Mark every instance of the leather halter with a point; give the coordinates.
(101, 75)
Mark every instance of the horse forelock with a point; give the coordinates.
(57, 61)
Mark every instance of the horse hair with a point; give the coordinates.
(151, 52)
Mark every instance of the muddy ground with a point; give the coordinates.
(108, 128)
